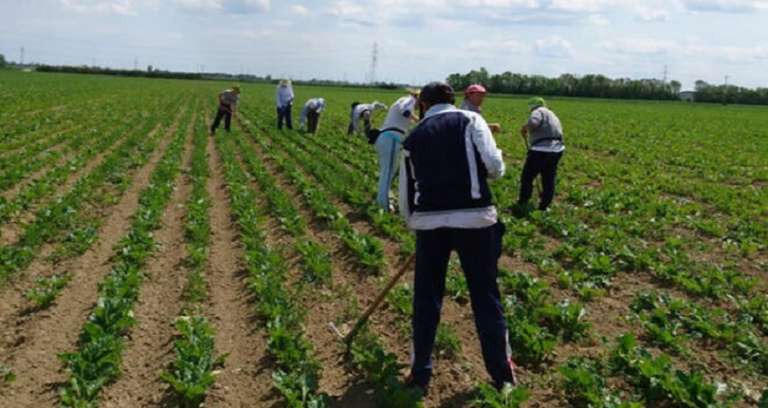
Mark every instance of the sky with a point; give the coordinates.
(418, 41)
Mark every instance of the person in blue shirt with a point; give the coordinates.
(284, 101)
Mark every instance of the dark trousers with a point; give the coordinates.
(313, 121)
(225, 113)
(366, 125)
(539, 163)
(479, 251)
(284, 116)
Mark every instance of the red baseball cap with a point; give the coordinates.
(475, 88)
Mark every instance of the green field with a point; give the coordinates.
(144, 263)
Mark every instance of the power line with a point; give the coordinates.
(374, 62)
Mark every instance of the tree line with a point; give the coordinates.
(730, 94)
(600, 86)
(590, 86)
(152, 72)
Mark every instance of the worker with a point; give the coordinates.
(399, 119)
(474, 96)
(543, 134)
(228, 102)
(310, 115)
(364, 112)
(284, 99)
(445, 197)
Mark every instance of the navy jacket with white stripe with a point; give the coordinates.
(448, 159)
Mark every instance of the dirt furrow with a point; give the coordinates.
(246, 378)
(150, 348)
(30, 348)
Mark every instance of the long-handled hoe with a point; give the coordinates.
(349, 337)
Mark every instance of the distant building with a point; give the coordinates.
(688, 96)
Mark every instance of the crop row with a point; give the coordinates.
(315, 259)
(192, 372)
(68, 214)
(368, 250)
(98, 357)
(51, 180)
(351, 190)
(297, 372)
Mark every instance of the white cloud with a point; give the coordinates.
(494, 47)
(119, 7)
(579, 6)
(598, 20)
(553, 47)
(642, 46)
(299, 10)
(346, 9)
(227, 6)
(731, 54)
(723, 6)
(649, 14)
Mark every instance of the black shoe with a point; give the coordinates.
(521, 210)
(422, 389)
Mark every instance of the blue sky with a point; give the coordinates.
(418, 40)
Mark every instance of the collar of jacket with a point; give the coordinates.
(439, 109)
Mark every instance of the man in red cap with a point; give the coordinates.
(474, 96)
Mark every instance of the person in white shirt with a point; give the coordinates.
(399, 119)
(284, 100)
(364, 112)
(311, 114)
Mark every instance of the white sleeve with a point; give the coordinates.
(408, 107)
(486, 146)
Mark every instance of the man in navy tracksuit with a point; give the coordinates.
(448, 159)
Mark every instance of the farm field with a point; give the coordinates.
(145, 264)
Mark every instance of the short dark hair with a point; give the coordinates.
(437, 92)
(354, 104)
